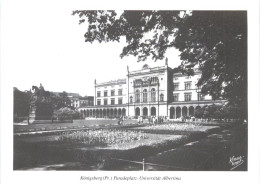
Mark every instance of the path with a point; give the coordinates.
(215, 152)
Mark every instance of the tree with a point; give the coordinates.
(66, 113)
(199, 113)
(21, 103)
(213, 41)
(65, 99)
(60, 100)
(216, 41)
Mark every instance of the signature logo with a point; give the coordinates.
(236, 161)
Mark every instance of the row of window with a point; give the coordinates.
(187, 97)
(187, 86)
(112, 92)
(145, 99)
(112, 101)
(187, 77)
(81, 101)
(137, 100)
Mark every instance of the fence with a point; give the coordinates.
(18, 119)
(42, 119)
(143, 164)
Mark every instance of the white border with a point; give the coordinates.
(10, 176)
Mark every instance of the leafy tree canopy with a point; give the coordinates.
(61, 100)
(21, 102)
(213, 41)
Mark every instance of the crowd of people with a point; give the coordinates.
(154, 119)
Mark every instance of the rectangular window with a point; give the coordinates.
(112, 92)
(120, 100)
(105, 101)
(98, 102)
(98, 94)
(105, 93)
(200, 96)
(137, 96)
(112, 101)
(187, 77)
(176, 97)
(187, 85)
(175, 86)
(187, 96)
(120, 92)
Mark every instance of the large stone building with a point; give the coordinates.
(157, 91)
(76, 100)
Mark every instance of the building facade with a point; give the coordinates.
(186, 95)
(157, 91)
(78, 101)
(86, 101)
(75, 100)
(148, 91)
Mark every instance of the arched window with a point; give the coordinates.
(161, 97)
(145, 95)
(153, 95)
(137, 111)
(131, 99)
(137, 96)
(153, 111)
(145, 111)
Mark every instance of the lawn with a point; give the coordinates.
(95, 149)
(190, 127)
(75, 124)
(101, 137)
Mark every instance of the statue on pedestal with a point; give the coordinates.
(38, 97)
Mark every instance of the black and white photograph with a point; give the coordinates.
(128, 89)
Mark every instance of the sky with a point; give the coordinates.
(46, 45)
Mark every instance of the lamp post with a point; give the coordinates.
(198, 94)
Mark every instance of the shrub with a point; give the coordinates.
(66, 113)
(220, 112)
(101, 137)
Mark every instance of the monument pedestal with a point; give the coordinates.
(32, 114)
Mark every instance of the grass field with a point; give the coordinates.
(94, 149)
(75, 124)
